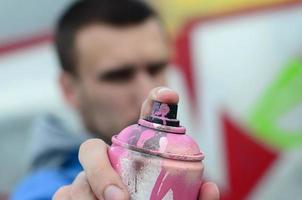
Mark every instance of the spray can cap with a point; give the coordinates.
(160, 134)
(164, 114)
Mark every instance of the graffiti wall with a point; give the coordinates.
(242, 62)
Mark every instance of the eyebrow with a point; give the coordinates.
(117, 72)
(157, 64)
(126, 71)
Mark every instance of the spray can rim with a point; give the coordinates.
(193, 158)
(160, 127)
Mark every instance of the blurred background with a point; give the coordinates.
(238, 64)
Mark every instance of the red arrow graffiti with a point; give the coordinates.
(247, 160)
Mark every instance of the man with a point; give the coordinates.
(112, 52)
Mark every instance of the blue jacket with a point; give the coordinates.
(54, 163)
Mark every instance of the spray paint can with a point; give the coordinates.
(156, 159)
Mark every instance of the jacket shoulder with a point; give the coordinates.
(42, 184)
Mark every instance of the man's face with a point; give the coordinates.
(117, 67)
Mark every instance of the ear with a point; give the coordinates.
(69, 89)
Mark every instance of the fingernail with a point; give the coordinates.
(113, 192)
(164, 89)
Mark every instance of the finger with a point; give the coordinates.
(80, 188)
(162, 94)
(102, 178)
(209, 191)
(63, 193)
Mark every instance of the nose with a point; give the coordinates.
(144, 84)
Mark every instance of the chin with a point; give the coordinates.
(134, 121)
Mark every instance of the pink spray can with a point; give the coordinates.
(156, 159)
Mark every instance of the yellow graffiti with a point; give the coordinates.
(176, 12)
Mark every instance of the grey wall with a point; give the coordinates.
(27, 18)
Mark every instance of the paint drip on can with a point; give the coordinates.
(156, 159)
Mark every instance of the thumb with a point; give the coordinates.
(209, 191)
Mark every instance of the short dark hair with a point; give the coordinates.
(118, 13)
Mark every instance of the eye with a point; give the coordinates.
(120, 75)
(156, 67)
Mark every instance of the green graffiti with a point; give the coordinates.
(283, 96)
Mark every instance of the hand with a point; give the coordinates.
(99, 180)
